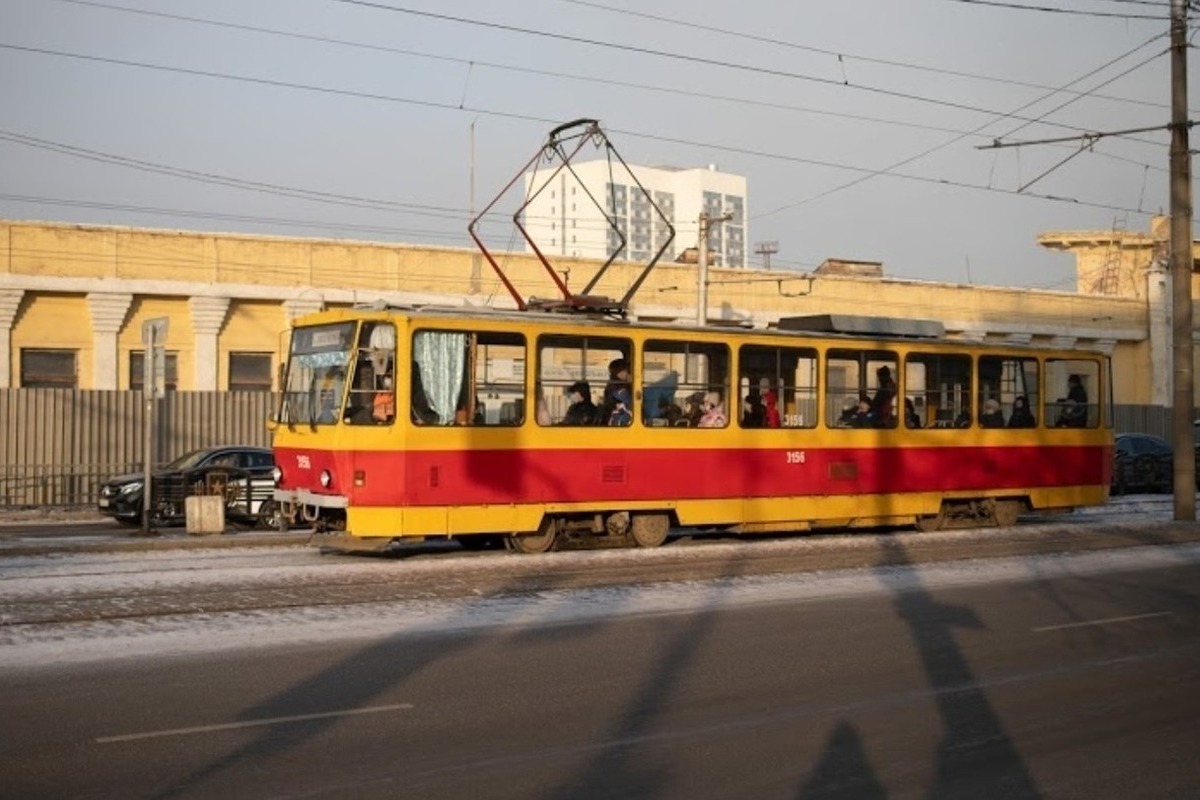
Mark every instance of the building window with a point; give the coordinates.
(48, 369)
(137, 372)
(249, 372)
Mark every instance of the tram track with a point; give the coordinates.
(227, 586)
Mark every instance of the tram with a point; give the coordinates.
(571, 421)
(398, 423)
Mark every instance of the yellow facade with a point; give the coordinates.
(90, 288)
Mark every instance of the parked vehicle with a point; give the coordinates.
(240, 473)
(1142, 462)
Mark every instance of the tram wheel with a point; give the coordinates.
(541, 542)
(932, 522)
(1006, 512)
(649, 530)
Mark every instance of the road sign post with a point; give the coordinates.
(154, 337)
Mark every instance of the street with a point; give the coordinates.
(847, 666)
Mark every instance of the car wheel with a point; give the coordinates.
(1145, 473)
(271, 517)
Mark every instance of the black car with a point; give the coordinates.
(1142, 462)
(242, 474)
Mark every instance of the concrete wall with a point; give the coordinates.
(89, 288)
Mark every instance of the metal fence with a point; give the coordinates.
(1145, 419)
(58, 445)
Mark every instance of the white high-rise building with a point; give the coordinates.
(564, 218)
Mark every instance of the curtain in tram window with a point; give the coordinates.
(441, 363)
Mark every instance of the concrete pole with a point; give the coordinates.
(149, 382)
(702, 272)
(706, 223)
(1181, 272)
(475, 284)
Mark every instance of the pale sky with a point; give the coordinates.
(856, 124)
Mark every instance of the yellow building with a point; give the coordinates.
(73, 299)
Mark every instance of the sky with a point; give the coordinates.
(865, 129)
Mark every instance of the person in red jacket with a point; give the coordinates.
(770, 409)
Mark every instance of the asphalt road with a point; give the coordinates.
(1079, 679)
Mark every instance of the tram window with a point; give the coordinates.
(685, 384)
(318, 358)
(590, 368)
(496, 396)
(444, 390)
(777, 387)
(1075, 385)
(939, 386)
(860, 388)
(372, 399)
(1008, 392)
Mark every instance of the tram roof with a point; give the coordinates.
(842, 324)
(864, 326)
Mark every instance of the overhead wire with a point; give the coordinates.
(258, 29)
(287, 190)
(724, 31)
(686, 57)
(559, 74)
(208, 177)
(1059, 10)
(902, 162)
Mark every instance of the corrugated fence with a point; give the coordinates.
(58, 445)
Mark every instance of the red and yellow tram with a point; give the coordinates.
(403, 423)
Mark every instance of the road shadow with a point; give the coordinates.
(617, 770)
(369, 675)
(975, 750)
(843, 773)
(356, 681)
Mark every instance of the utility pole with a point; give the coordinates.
(476, 266)
(1181, 272)
(706, 224)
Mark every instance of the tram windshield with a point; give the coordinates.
(315, 383)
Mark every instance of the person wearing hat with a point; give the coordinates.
(622, 411)
(1021, 416)
(582, 410)
(693, 408)
(992, 416)
(618, 382)
(714, 412)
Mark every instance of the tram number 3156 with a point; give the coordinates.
(794, 457)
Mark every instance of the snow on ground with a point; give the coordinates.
(27, 578)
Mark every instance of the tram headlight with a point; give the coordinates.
(276, 475)
(326, 478)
